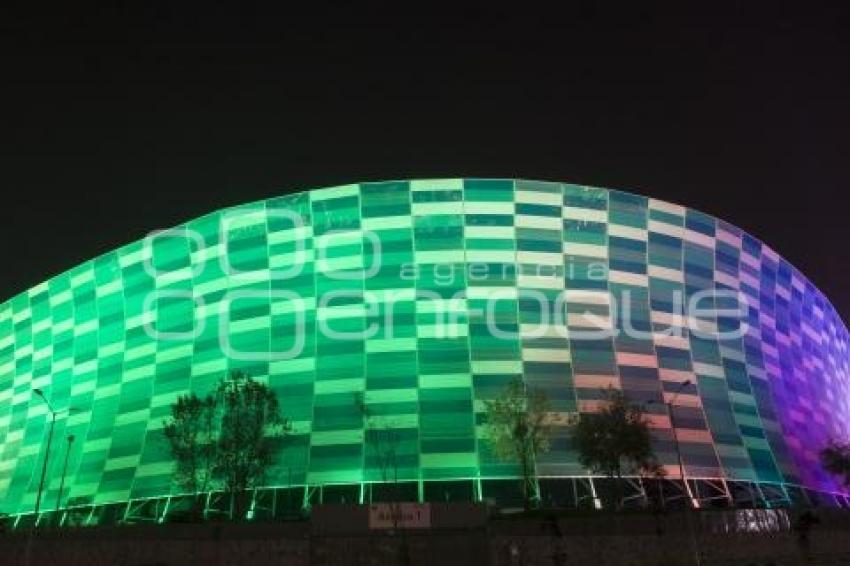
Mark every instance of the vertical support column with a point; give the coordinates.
(253, 508)
(305, 502)
(207, 504)
(643, 492)
(91, 514)
(726, 492)
(597, 504)
(785, 493)
(689, 493)
(161, 518)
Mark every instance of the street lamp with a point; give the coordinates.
(53, 414)
(687, 490)
(62, 481)
(669, 407)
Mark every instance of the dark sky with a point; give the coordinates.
(116, 124)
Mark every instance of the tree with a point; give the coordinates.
(384, 439)
(228, 438)
(518, 427)
(251, 431)
(191, 434)
(615, 440)
(835, 459)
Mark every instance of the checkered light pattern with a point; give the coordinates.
(759, 407)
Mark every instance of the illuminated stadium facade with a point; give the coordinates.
(424, 298)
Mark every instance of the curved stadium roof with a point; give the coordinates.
(425, 297)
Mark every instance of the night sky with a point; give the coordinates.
(116, 124)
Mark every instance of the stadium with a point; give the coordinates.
(424, 298)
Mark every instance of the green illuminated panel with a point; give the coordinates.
(400, 308)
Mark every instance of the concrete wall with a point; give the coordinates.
(596, 539)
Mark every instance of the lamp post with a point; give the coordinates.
(691, 530)
(53, 414)
(62, 481)
(669, 405)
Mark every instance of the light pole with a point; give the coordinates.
(687, 491)
(669, 405)
(62, 481)
(53, 414)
